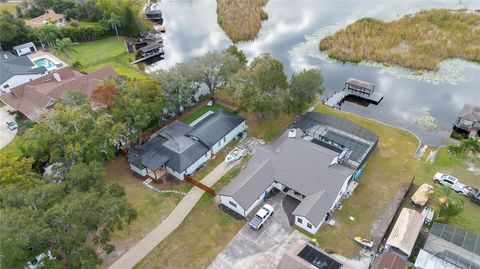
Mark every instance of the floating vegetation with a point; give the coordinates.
(425, 120)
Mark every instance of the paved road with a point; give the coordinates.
(157, 235)
(6, 135)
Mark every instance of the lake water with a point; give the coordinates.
(425, 104)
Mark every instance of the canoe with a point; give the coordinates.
(364, 242)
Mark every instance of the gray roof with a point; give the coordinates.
(151, 47)
(299, 165)
(11, 65)
(470, 112)
(215, 126)
(361, 83)
(170, 147)
(22, 46)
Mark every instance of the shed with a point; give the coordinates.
(406, 230)
(25, 49)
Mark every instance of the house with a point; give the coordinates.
(24, 49)
(39, 95)
(179, 149)
(314, 167)
(391, 260)
(49, 17)
(449, 247)
(404, 234)
(17, 70)
(468, 120)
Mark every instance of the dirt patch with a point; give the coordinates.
(381, 224)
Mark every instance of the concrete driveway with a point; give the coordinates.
(262, 248)
(6, 135)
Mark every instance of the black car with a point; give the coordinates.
(475, 196)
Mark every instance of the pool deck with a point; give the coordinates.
(42, 54)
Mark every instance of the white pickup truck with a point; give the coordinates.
(262, 215)
(451, 182)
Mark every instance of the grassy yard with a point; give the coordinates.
(390, 168)
(446, 163)
(418, 41)
(267, 129)
(204, 109)
(241, 20)
(152, 207)
(10, 7)
(105, 52)
(200, 237)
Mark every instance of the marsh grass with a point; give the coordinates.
(241, 20)
(418, 41)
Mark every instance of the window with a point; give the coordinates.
(299, 220)
(232, 204)
(225, 139)
(309, 226)
(6, 86)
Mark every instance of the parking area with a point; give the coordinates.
(6, 135)
(262, 248)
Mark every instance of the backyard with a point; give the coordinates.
(202, 110)
(390, 168)
(105, 52)
(455, 166)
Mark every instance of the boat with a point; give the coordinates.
(364, 242)
(234, 155)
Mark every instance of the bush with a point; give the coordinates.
(84, 33)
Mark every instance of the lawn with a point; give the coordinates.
(199, 112)
(200, 237)
(390, 168)
(10, 7)
(105, 52)
(418, 41)
(152, 207)
(12, 150)
(455, 166)
(267, 129)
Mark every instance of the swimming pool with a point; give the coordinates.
(45, 62)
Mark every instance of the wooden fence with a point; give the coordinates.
(200, 185)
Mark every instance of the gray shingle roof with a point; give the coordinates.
(215, 126)
(11, 65)
(470, 112)
(299, 165)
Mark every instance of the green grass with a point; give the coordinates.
(389, 168)
(455, 166)
(10, 7)
(105, 52)
(267, 129)
(200, 237)
(12, 150)
(418, 41)
(204, 109)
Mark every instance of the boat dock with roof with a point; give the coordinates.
(356, 88)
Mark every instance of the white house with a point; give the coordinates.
(17, 70)
(179, 149)
(315, 171)
(25, 49)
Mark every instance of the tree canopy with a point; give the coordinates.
(303, 88)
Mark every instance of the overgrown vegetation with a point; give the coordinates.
(241, 20)
(418, 41)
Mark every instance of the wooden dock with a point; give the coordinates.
(355, 88)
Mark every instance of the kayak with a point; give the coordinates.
(364, 242)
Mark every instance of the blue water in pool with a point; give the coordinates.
(44, 62)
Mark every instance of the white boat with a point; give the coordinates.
(364, 242)
(236, 154)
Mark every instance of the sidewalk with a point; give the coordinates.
(157, 235)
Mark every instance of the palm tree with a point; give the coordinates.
(65, 46)
(448, 203)
(50, 33)
(113, 22)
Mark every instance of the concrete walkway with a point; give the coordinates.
(157, 235)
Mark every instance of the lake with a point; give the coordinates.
(425, 104)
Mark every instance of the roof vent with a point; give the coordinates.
(57, 77)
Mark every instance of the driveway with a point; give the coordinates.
(6, 135)
(262, 248)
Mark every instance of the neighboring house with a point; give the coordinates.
(17, 70)
(39, 95)
(391, 260)
(404, 234)
(179, 149)
(468, 120)
(313, 167)
(49, 17)
(449, 247)
(24, 49)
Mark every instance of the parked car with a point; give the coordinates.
(261, 217)
(12, 125)
(451, 182)
(475, 196)
(38, 261)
